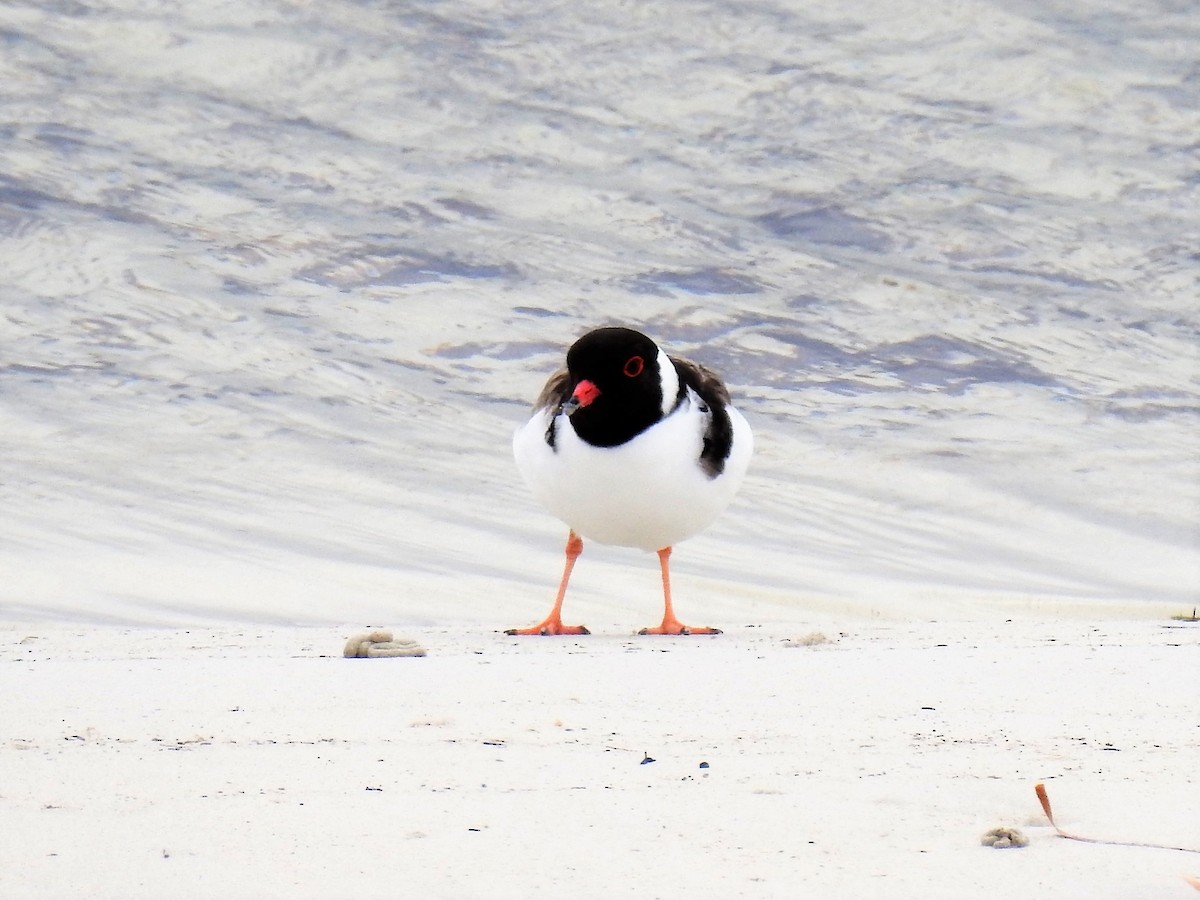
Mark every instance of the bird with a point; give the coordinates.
(631, 447)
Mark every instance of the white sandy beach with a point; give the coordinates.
(279, 279)
(258, 762)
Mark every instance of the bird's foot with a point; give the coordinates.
(550, 626)
(674, 626)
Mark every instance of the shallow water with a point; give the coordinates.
(280, 279)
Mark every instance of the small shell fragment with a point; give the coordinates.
(1001, 838)
(380, 643)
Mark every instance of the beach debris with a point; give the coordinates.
(812, 639)
(380, 643)
(1044, 800)
(1004, 837)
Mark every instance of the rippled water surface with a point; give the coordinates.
(279, 279)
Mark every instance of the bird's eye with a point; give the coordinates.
(633, 366)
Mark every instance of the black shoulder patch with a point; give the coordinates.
(718, 434)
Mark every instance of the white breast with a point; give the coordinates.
(649, 492)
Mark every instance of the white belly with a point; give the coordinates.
(649, 492)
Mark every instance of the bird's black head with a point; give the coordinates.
(616, 386)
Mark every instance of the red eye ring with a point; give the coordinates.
(634, 366)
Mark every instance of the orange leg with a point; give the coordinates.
(670, 624)
(553, 624)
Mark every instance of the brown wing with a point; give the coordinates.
(718, 434)
(701, 379)
(555, 393)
